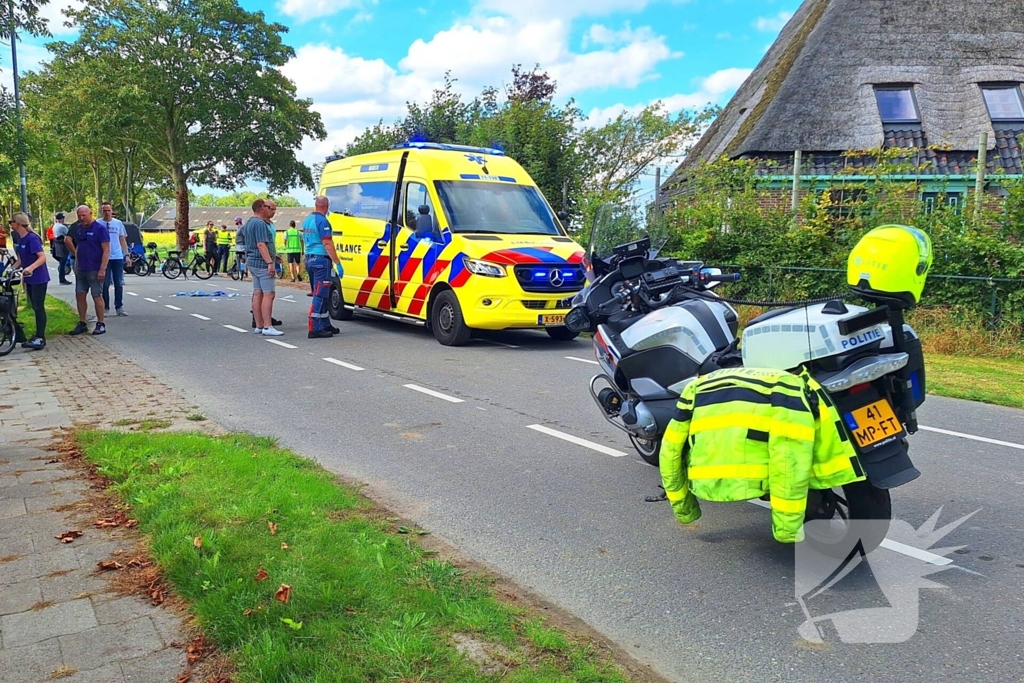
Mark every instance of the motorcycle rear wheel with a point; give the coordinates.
(861, 515)
(647, 448)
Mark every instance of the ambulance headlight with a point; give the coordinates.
(485, 268)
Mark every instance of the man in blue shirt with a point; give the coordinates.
(320, 255)
(91, 248)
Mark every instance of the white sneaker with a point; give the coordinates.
(271, 332)
(258, 330)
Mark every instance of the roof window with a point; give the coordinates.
(1004, 102)
(897, 104)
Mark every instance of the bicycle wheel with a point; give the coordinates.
(141, 268)
(172, 268)
(234, 272)
(7, 335)
(201, 269)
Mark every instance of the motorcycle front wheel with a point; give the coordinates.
(647, 448)
(859, 515)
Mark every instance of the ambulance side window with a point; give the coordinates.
(418, 211)
(362, 200)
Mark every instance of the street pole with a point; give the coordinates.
(17, 107)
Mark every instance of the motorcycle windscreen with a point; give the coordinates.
(619, 224)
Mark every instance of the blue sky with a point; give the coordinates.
(361, 60)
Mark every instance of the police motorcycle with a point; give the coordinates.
(657, 324)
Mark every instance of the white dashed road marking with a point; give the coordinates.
(972, 438)
(582, 360)
(233, 289)
(280, 343)
(196, 315)
(236, 329)
(173, 308)
(577, 440)
(435, 394)
(894, 546)
(131, 293)
(343, 364)
(153, 300)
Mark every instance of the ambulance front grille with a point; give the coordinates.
(535, 304)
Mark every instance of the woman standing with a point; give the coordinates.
(35, 276)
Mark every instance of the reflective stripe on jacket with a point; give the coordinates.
(739, 434)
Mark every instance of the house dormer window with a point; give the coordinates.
(1004, 102)
(897, 104)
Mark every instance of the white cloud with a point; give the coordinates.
(304, 10)
(773, 23)
(561, 9)
(52, 12)
(711, 90)
(351, 92)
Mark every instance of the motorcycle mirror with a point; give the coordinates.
(562, 216)
(577, 320)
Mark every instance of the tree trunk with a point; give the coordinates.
(95, 166)
(181, 200)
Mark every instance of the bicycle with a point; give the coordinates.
(237, 269)
(199, 266)
(10, 329)
(135, 262)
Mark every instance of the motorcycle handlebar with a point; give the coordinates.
(731, 277)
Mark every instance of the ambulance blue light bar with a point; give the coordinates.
(450, 148)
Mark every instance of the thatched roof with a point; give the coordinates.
(814, 89)
(163, 218)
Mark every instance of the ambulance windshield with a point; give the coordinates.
(498, 208)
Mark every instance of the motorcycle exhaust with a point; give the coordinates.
(628, 415)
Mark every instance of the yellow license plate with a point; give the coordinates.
(873, 423)
(551, 320)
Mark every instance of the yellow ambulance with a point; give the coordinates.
(452, 237)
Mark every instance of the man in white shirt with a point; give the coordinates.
(115, 266)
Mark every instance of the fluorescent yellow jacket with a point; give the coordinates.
(739, 434)
(224, 237)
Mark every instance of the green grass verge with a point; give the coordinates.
(60, 317)
(976, 379)
(367, 602)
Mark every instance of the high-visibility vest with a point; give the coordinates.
(224, 238)
(741, 433)
(292, 241)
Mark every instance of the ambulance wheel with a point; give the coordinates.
(860, 515)
(446, 320)
(336, 306)
(647, 448)
(561, 333)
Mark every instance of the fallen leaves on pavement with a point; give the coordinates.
(119, 519)
(196, 650)
(68, 536)
(284, 593)
(107, 565)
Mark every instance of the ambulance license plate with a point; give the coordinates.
(551, 320)
(873, 423)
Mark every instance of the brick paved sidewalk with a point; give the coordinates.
(58, 617)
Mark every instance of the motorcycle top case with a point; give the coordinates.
(787, 340)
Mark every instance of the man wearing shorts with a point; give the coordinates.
(260, 259)
(293, 249)
(91, 249)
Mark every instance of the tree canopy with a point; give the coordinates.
(193, 86)
(578, 167)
